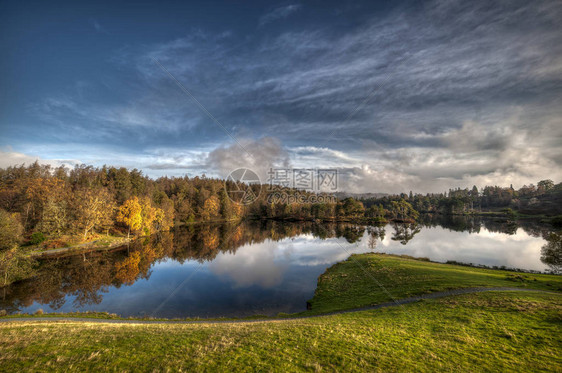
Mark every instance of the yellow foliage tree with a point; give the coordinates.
(148, 214)
(211, 208)
(130, 214)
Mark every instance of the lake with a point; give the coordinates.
(259, 267)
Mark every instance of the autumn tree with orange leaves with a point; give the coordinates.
(130, 214)
(211, 208)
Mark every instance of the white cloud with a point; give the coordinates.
(11, 158)
(258, 155)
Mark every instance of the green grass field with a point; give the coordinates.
(493, 331)
(369, 279)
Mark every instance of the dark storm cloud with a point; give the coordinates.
(423, 96)
(450, 58)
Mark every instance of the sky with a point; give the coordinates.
(397, 96)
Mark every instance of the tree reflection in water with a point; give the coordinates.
(551, 252)
(375, 234)
(85, 279)
(403, 233)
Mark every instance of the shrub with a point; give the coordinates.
(39, 311)
(37, 238)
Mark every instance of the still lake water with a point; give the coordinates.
(254, 267)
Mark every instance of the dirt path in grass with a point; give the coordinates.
(397, 302)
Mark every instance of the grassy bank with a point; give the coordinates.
(500, 330)
(368, 279)
(486, 331)
(103, 243)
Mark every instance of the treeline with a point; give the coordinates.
(544, 198)
(39, 202)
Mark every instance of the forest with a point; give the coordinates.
(54, 207)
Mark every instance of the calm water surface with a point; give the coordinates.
(254, 268)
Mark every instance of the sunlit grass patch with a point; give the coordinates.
(515, 331)
(369, 279)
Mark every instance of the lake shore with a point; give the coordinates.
(106, 243)
(509, 330)
(112, 242)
